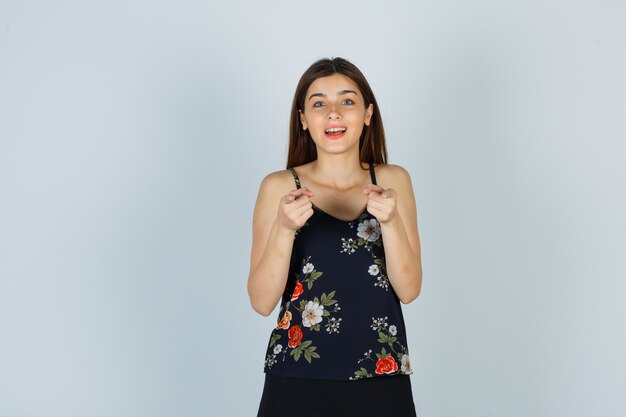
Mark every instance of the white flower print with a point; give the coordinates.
(369, 237)
(383, 282)
(312, 314)
(369, 230)
(406, 364)
(332, 325)
(379, 323)
(348, 246)
(395, 361)
(300, 342)
(270, 360)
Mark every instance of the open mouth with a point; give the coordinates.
(335, 132)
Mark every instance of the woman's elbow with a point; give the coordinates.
(260, 308)
(410, 299)
(412, 296)
(261, 311)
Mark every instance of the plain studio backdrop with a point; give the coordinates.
(133, 139)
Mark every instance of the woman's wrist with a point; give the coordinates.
(283, 230)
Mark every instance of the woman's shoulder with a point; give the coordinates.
(285, 175)
(397, 178)
(278, 182)
(391, 174)
(278, 176)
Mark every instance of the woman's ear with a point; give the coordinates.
(368, 114)
(302, 120)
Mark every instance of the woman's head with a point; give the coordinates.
(312, 113)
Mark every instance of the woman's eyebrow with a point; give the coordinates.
(339, 93)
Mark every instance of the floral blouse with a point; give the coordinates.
(339, 317)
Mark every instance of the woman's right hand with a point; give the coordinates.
(295, 208)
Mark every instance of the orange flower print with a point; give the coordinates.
(297, 291)
(386, 365)
(285, 321)
(295, 336)
(299, 317)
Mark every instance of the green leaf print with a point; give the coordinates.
(327, 300)
(329, 320)
(306, 349)
(397, 350)
(362, 373)
(274, 338)
(309, 353)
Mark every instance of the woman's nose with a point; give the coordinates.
(333, 113)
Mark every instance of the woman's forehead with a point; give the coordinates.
(332, 84)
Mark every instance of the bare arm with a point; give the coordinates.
(275, 221)
(398, 222)
(402, 243)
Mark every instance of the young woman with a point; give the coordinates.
(339, 347)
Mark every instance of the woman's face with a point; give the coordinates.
(335, 102)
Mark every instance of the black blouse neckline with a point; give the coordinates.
(337, 218)
(364, 211)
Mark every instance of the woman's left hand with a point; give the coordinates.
(381, 203)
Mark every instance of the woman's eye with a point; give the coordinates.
(321, 103)
(349, 101)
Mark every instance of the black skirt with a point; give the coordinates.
(369, 397)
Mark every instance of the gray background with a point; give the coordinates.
(134, 136)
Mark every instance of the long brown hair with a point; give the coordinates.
(372, 146)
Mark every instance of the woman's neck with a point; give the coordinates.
(338, 172)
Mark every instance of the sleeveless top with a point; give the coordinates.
(339, 317)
